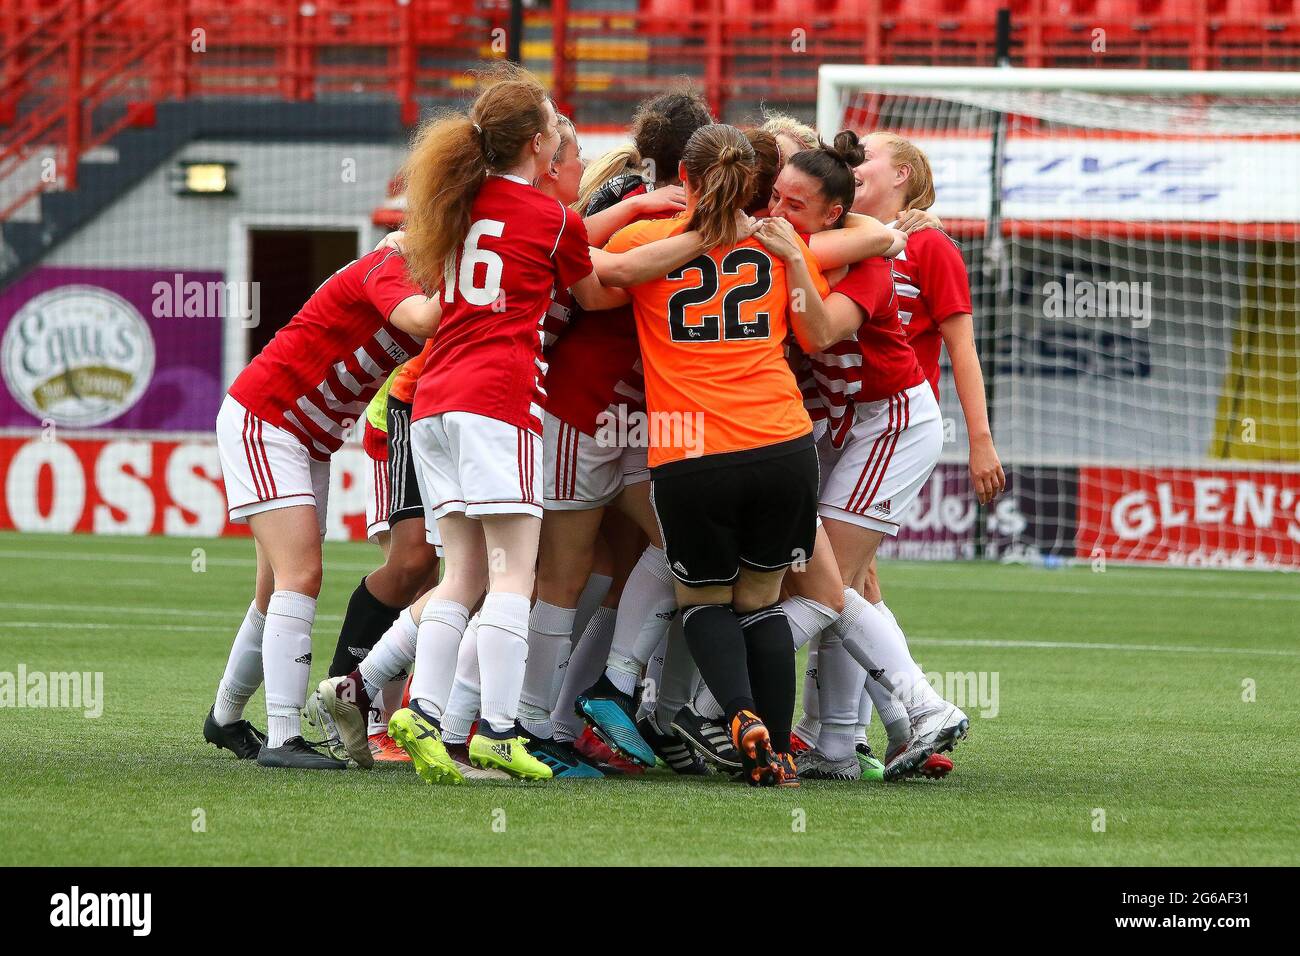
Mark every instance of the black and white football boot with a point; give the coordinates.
(708, 738)
(672, 750)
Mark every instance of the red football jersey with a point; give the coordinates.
(557, 321)
(318, 374)
(487, 355)
(932, 285)
(875, 364)
(596, 367)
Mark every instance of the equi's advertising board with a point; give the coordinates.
(77, 355)
(91, 348)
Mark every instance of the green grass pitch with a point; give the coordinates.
(1124, 693)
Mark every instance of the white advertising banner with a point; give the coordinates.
(1120, 179)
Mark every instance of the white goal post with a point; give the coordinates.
(1133, 243)
(835, 80)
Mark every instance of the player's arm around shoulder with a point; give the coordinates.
(863, 237)
(397, 298)
(602, 225)
(645, 251)
(816, 327)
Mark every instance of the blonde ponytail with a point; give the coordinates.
(616, 162)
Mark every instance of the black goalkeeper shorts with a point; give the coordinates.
(403, 487)
(756, 509)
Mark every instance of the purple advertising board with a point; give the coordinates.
(113, 349)
(1035, 516)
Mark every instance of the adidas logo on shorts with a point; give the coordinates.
(679, 567)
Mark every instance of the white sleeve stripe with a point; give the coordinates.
(391, 252)
(564, 221)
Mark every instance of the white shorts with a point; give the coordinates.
(378, 500)
(581, 473)
(266, 467)
(476, 465)
(886, 460)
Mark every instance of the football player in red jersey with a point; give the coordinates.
(934, 304)
(547, 657)
(478, 226)
(883, 441)
(283, 418)
(933, 291)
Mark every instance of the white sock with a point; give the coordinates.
(442, 625)
(889, 616)
(898, 726)
(286, 660)
(892, 714)
(864, 715)
(809, 725)
(585, 665)
(839, 679)
(503, 656)
(652, 683)
(677, 681)
(706, 705)
(550, 632)
(592, 597)
(463, 704)
(243, 669)
(644, 611)
(392, 655)
(878, 646)
(807, 619)
(835, 741)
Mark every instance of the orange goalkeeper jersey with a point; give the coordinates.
(712, 336)
(403, 387)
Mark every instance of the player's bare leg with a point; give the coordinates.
(289, 541)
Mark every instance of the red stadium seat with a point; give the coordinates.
(1260, 34)
(1137, 33)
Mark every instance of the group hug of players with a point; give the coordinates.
(635, 447)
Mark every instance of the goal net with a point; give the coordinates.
(1132, 244)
